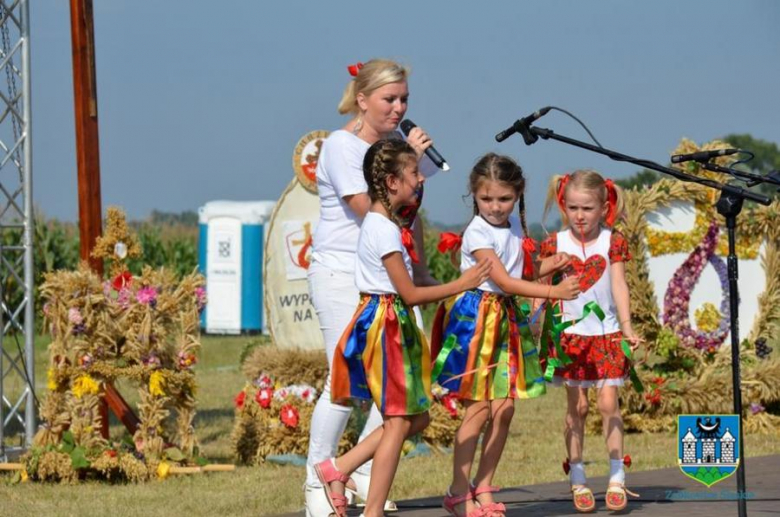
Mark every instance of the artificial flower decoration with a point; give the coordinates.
(157, 384)
(264, 397)
(122, 281)
(239, 400)
(85, 385)
(289, 415)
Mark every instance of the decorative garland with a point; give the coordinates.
(145, 329)
(682, 365)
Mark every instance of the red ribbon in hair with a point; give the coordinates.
(408, 241)
(354, 69)
(529, 246)
(562, 190)
(627, 460)
(449, 241)
(611, 202)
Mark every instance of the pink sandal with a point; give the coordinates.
(327, 474)
(451, 501)
(490, 508)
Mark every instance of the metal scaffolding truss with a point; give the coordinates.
(17, 396)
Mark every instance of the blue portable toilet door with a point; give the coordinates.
(223, 275)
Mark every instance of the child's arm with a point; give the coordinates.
(617, 272)
(414, 295)
(551, 264)
(566, 290)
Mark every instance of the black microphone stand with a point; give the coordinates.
(729, 205)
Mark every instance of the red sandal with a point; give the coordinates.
(451, 501)
(327, 474)
(490, 508)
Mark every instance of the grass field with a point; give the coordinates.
(534, 453)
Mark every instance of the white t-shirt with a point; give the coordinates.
(596, 256)
(340, 174)
(506, 242)
(379, 236)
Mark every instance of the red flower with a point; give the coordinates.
(449, 241)
(289, 416)
(627, 460)
(122, 280)
(654, 398)
(659, 381)
(450, 404)
(239, 400)
(264, 397)
(111, 453)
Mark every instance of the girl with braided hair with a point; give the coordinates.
(383, 357)
(481, 344)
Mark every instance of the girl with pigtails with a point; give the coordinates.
(383, 356)
(481, 344)
(598, 340)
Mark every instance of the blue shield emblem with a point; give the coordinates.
(708, 446)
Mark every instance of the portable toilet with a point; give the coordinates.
(230, 256)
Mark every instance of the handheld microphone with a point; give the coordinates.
(406, 126)
(702, 156)
(521, 126)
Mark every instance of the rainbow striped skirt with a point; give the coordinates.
(383, 356)
(484, 349)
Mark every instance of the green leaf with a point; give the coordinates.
(200, 461)
(68, 442)
(78, 459)
(174, 454)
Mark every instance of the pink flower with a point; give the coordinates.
(200, 297)
(264, 381)
(74, 316)
(147, 296)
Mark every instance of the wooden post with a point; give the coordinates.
(87, 147)
(88, 163)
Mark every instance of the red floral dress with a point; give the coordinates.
(597, 360)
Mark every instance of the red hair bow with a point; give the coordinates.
(408, 241)
(611, 202)
(562, 190)
(449, 241)
(627, 460)
(529, 247)
(354, 69)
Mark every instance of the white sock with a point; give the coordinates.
(577, 473)
(616, 472)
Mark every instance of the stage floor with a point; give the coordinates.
(666, 492)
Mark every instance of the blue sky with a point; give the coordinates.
(206, 100)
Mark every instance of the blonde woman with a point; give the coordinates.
(376, 101)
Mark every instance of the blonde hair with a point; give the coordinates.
(583, 179)
(386, 157)
(501, 168)
(373, 75)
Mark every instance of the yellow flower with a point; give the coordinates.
(163, 469)
(85, 385)
(156, 384)
(51, 379)
(25, 476)
(707, 317)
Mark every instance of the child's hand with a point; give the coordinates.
(569, 289)
(560, 260)
(474, 276)
(630, 336)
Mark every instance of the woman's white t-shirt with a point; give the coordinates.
(340, 174)
(506, 242)
(379, 236)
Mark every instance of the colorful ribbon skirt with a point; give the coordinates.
(484, 349)
(383, 356)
